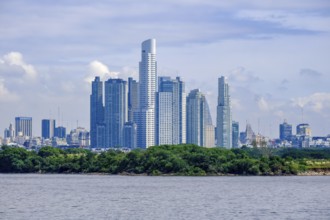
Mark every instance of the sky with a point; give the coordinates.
(275, 55)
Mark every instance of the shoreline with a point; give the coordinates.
(314, 173)
(306, 173)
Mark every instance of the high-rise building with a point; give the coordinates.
(96, 109)
(200, 130)
(23, 125)
(235, 130)
(47, 128)
(171, 112)
(133, 98)
(285, 131)
(248, 136)
(304, 135)
(60, 132)
(304, 130)
(224, 121)
(101, 141)
(6, 133)
(79, 136)
(249, 133)
(115, 111)
(145, 115)
(130, 131)
(9, 132)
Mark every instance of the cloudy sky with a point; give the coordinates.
(276, 55)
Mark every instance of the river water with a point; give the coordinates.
(40, 196)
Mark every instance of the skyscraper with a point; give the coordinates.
(285, 131)
(9, 132)
(130, 135)
(115, 111)
(47, 128)
(224, 121)
(248, 136)
(200, 130)
(304, 130)
(235, 130)
(133, 98)
(145, 115)
(304, 135)
(171, 112)
(96, 109)
(6, 133)
(60, 132)
(101, 141)
(24, 125)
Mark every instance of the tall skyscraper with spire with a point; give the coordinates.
(96, 112)
(224, 119)
(145, 115)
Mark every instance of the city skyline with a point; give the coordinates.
(274, 55)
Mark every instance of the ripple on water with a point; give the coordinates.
(141, 197)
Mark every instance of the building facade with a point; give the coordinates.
(130, 135)
(170, 112)
(96, 109)
(9, 133)
(200, 130)
(48, 128)
(285, 131)
(101, 135)
(60, 132)
(144, 117)
(23, 126)
(78, 137)
(304, 130)
(133, 98)
(235, 131)
(224, 119)
(115, 111)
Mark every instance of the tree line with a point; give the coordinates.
(184, 159)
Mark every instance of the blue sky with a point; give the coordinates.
(275, 55)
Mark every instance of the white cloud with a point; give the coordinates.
(5, 95)
(96, 68)
(239, 74)
(128, 71)
(68, 86)
(16, 59)
(307, 21)
(263, 104)
(317, 102)
(236, 104)
(279, 114)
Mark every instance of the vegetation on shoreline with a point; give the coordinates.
(167, 160)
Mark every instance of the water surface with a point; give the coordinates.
(40, 196)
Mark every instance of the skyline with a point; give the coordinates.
(274, 55)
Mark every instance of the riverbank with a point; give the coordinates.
(169, 160)
(306, 173)
(315, 173)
